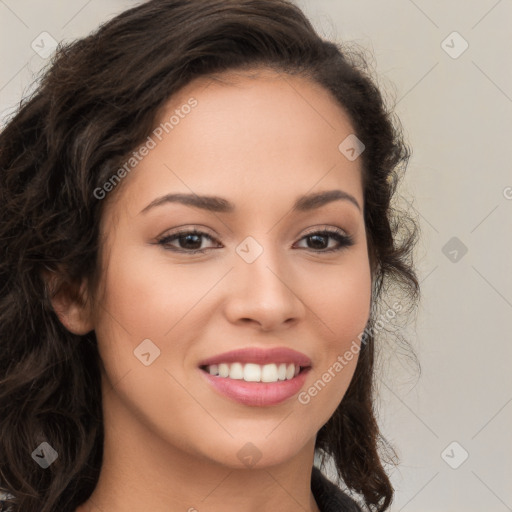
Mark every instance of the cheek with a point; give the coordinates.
(348, 321)
(341, 298)
(144, 296)
(343, 309)
(131, 310)
(350, 305)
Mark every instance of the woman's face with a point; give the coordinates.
(263, 281)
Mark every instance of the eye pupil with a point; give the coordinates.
(316, 237)
(187, 237)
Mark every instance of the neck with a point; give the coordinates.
(143, 471)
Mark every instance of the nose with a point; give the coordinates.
(264, 293)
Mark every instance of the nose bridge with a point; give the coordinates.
(263, 291)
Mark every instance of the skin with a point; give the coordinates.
(171, 440)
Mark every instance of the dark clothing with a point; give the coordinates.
(329, 497)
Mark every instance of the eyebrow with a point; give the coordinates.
(303, 203)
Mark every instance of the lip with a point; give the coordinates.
(257, 394)
(260, 356)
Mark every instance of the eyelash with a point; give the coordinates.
(342, 239)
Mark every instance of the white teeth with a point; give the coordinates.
(236, 371)
(223, 370)
(251, 372)
(269, 373)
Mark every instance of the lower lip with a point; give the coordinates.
(259, 394)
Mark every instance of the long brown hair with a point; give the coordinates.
(97, 102)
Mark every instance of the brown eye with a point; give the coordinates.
(320, 240)
(189, 241)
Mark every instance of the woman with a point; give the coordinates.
(198, 232)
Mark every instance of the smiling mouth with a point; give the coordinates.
(252, 372)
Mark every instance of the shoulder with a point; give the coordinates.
(329, 497)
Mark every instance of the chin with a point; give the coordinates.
(256, 452)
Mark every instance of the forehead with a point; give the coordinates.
(265, 100)
(249, 133)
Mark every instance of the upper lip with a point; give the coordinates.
(259, 356)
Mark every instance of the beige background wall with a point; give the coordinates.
(456, 107)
